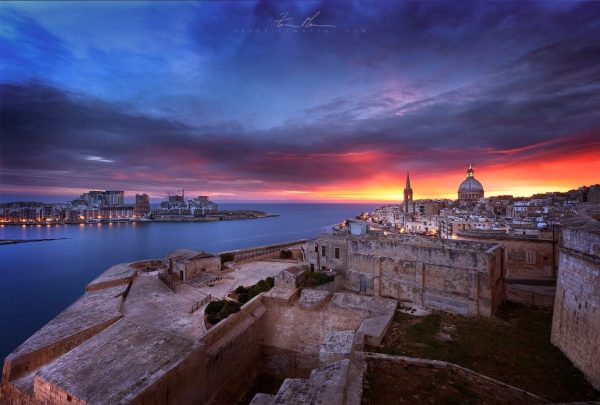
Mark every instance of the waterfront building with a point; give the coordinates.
(176, 205)
(97, 199)
(114, 198)
(116, 212)
(388, 214)
(142, 205)
(201, 205)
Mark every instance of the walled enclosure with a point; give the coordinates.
(576, 322)
(524, 258)
(102, 350)
(456, 276)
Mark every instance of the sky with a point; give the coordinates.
(223, 99)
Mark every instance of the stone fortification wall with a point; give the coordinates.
(576, 322)
(222, 365)
(456, 276)
(16, 366)
(291, 346)
(295, 330)
(524, 258)
(86, 317)
(263, 251)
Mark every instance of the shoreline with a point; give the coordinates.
(227, 216)
(15, 241)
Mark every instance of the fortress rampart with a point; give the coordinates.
(576, 321)
(262, 251)
(456, 276)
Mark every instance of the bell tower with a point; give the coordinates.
(408, 193)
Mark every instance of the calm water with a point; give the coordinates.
(38, 280)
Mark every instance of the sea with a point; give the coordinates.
(38, 280)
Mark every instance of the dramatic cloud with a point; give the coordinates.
(214, 98)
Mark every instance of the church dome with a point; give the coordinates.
(470, 184)
(470, 189)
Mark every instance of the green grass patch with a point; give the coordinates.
(513, 347)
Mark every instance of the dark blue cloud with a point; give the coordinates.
(135, 84)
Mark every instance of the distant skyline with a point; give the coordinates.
(212, 97)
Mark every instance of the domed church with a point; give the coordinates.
(470, 189)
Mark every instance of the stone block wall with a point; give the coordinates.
(293, 336)
(47, 393)
(200, 265)
(263, 251)
(460, 277)
(16, 366)
(576, 321)
(222, 366)
(523, 258)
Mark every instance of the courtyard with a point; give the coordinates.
(513, 347)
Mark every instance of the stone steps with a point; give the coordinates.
(325, 386)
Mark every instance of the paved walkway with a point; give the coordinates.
(152, 304)
(248, 274)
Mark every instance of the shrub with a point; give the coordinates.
(271, 281)
(262, 286)
(244, 297)
(246, 294)
(286, 254)
(227, 257)
(216, 311)
(214, 306)
(319, 278)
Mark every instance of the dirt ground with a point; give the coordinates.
(513, 347)
(391, 382)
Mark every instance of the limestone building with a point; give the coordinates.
(455, 276)
(470, 190)
(187, 264)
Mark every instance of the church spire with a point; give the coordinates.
(408, 193)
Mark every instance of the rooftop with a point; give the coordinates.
(187, 254)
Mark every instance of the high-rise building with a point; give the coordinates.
(142, 205)
(114, 198)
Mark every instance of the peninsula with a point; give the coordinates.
(109, 206)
